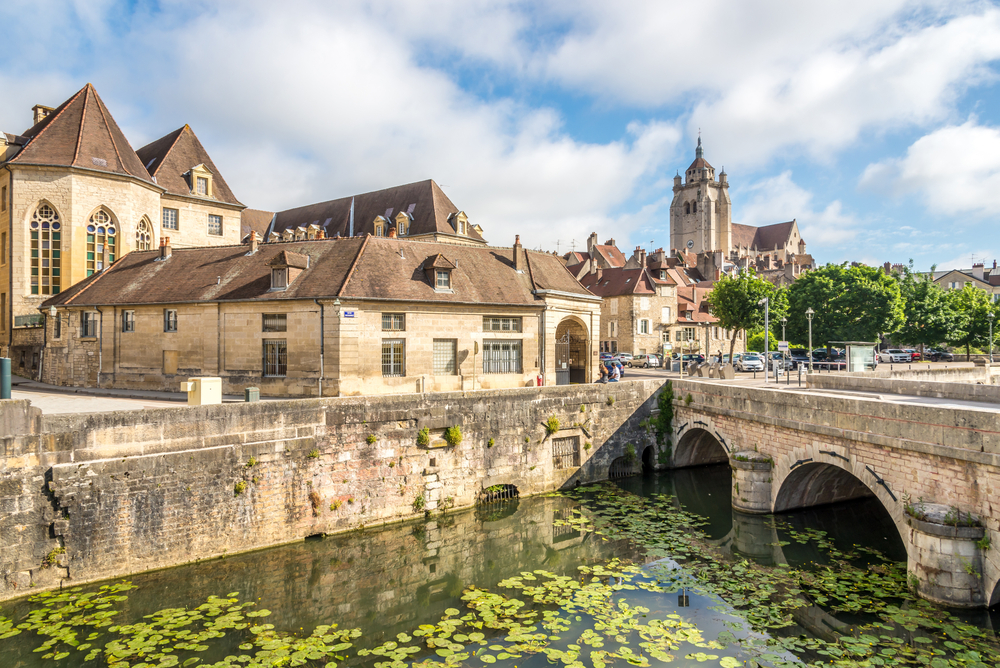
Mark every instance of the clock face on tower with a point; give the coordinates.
(690, 243)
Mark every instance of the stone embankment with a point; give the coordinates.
(94, 496)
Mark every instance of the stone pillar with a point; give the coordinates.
(945, 564)
(751, 482)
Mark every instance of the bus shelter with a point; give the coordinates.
(860, 355)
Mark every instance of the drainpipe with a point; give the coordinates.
(45, 344)
(10, 259)
(100, 347)
(322, 344)
(542, 342)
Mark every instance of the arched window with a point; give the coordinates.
(687, 207)
(100, 235)
(45, 251)
(694, 207)
(143, 235)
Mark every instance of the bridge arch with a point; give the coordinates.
(698, 447)
(804, 480)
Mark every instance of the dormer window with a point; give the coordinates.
(461, 223)
(381, 227)
(402, 224)
(202, 188)
(200, 180)
(442, 279)
(279, 278)
(438, 269)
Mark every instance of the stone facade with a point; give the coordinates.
(103, 495)
(701, 213)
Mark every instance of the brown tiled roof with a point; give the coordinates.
(438, 261)
(430, 208)
(255, 220)
(359, 268)
(611, 254)
(694, 299)
(617, 281)
(698, 164)
(81, 133)
(170, 157)
(764, 238)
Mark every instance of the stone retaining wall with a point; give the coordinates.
(932, 387)
(94, 496)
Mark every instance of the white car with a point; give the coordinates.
(750, 362)
(624, 358)
(894, 355)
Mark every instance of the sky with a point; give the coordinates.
(874, 124)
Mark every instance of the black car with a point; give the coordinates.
(938, 355)
(798, 356)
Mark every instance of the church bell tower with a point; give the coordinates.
(701, 217)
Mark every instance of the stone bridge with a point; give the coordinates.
(934, 467)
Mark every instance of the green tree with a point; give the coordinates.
(929, 313)
(971, 325)
(850, 303)
(755, 342)
(735, 301)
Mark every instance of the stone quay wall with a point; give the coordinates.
(102, 495)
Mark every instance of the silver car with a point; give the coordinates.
(645, 361)
(750, 362)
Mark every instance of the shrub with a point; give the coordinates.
(688, 399)
(370, 439)
(552, 424)
(334, 505)
(453, 435)
(583, 409)
(419, 503)
(424, 436)
(392, 464)
(314, 454)
(489, 444)
(252, 462)
(611, 400)
(630, 453)
(239, 488)
(587, 446)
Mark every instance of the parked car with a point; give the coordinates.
(914, 354)
(940, 355)
(798, 356)
(781, 356)
(644, 361)
(750, 362)
(605, 357)
(624, 358)
(894, 356)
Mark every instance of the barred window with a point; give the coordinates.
(88, 323)
(128, 321)
(274, 322)
(501, 324)
(275, 357)
(393, 357)
(444, 356)
(393, 322)
(215, 225)
(501, 357)
(170, 219)
(566, 452)
(169, 320)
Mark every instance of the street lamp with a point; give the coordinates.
(784, 321)
(809, 316)
(766, 302)
(990, 317)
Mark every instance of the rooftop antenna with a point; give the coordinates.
(573, 245)
(557, 245)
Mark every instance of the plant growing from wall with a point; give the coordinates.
(314, 454)
(252, 462)
(419, 503)
(583, 409)
(552, 424)
(611, 400)
(239, 488)
(52, 558)
(335, 505)
(984, 542)
(370, 439)
(453, 435)
(489, 443)
(424, 437)
(688, 399)
(629, 454)
(587, 446)
(314, 501)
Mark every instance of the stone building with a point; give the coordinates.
(980, 276)
(357, 315)
(75, 197)
(701, 223)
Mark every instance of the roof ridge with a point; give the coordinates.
(357, 258)
(169, 149)
(66, 105)
(79, 132)
(111, 135)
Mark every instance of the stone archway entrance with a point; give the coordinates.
(571, 352)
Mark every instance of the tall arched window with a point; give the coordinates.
(687, 207)
(143, 235)
(100, 234)
(694, 207)
(45, 251)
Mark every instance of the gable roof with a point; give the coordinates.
(255, 220)
(763, 238)
(172, 156)
(611, 255)
(360, 268)
(616, 281)
(81, 133)
(429, 208)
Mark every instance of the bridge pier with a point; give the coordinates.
(751, 482)
(946, 564)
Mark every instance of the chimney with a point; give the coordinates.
(977, 270)
(40, 113)
(164, 248)
(392, 232)
(591, 242)
(518, 254)
(600, 274)
(321, 234)
(254, 241)
(642, 258)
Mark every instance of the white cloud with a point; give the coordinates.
(953, 170)
(779, 198)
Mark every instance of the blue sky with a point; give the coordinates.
(875, 125)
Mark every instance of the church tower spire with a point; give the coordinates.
(700, 214)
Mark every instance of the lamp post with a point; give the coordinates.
(990, 316)
(809, 316)
(784, 321)
(766, 302)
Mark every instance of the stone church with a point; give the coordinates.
(701, 224)
(75, 196)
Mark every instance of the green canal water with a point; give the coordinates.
(647, 571)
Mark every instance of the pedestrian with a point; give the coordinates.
(615, 374)
(604, 374)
